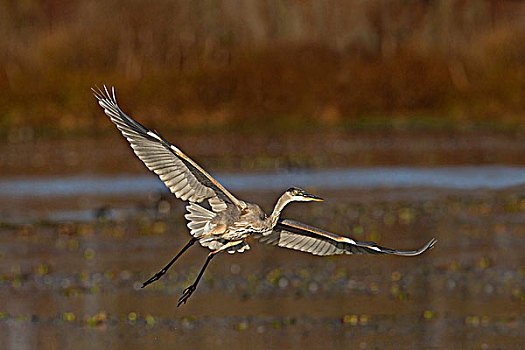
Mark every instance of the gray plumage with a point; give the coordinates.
(229, 221)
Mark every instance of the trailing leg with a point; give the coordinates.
(189, 291)
(161, 273)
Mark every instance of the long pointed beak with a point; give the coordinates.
(313, 198)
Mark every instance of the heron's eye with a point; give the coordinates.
(295, 192)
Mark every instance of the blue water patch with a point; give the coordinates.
(458, 177)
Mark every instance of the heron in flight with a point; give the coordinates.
(228, 221)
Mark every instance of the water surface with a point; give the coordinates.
(458, 177)
(73, 280)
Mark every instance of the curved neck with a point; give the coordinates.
(279, 206)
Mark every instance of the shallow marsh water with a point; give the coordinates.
(67, 284)
(71, 268)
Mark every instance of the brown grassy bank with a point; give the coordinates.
(216, 64)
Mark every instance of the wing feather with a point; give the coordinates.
(295, 235)
(185, 178)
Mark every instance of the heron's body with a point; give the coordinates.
(232, 224)
(228, 222)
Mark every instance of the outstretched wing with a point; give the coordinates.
(185, 178)
(295, 235)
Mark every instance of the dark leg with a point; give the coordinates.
(161, 273)
(189, 291)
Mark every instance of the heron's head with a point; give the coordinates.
(299, 195)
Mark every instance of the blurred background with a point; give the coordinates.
(406, 116)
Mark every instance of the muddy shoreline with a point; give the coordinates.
(256, 152)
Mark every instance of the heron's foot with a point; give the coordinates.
(186, 295)
(154, 278)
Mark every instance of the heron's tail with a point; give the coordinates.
(198, 217)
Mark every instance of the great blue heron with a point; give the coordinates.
(230, 221)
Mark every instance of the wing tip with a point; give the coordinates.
(416, 252)
(104, 94)
(426, 247)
